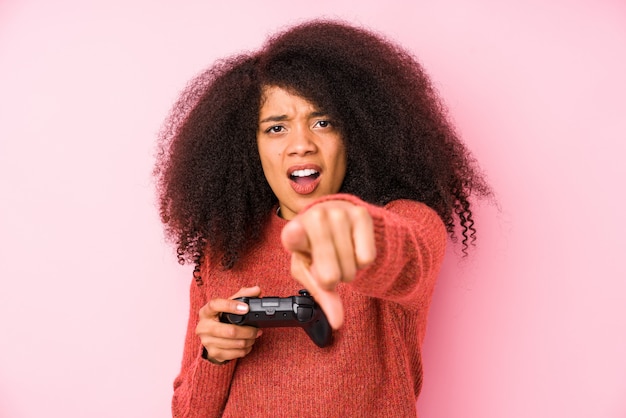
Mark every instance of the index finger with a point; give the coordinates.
(328, 300)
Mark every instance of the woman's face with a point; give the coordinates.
(302, 154)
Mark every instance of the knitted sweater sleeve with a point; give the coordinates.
(201, 388)
(410, 245)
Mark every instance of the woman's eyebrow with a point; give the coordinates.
(280, 118)
(277, 118)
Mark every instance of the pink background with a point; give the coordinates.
(93, 304)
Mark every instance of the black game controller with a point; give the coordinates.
(294, 311)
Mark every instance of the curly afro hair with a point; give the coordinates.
(400, 145)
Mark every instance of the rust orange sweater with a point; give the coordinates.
(373, 367)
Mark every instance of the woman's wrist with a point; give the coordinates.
(205, 355)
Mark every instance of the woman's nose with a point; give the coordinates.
(302, 142)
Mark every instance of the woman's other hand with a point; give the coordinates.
(224, 342)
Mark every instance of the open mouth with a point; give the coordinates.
(304, 177)
(304, 180)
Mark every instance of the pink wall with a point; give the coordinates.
(93, 304)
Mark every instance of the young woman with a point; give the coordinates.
(325, 162)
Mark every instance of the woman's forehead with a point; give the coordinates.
(277, 95)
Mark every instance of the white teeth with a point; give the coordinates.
(304, 173)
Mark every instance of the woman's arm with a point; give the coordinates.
(201, 388)
(410, 242)
(392, 252)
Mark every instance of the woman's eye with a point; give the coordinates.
(323, 123)
(274, 129)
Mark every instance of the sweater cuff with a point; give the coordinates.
(337, 196)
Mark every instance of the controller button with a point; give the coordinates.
(305, 313)
(270, 311)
